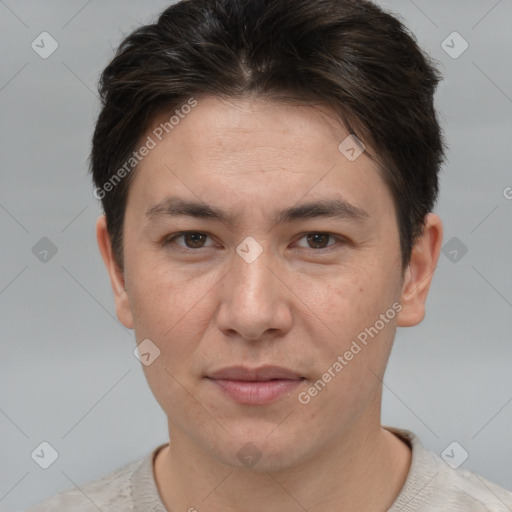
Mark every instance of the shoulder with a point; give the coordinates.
(433, 485)
(108, 493)
(470, 491)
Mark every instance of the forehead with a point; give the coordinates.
(220, 128)
(231, 150)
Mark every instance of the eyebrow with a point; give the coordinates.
(324, 208)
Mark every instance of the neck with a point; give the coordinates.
(363, 471)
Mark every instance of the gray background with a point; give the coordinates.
(68, 373)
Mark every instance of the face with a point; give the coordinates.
(260, 280)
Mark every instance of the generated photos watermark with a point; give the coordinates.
(150, 143)
(341, 361)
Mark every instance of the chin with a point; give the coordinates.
(256, 450)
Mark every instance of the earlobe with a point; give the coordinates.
(420, 271)
(117, 279)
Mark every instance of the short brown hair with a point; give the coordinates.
(350, 55)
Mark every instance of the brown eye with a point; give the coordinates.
(194, 240)
(318, 240)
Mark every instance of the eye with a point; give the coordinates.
(193, 239)
(319, 240)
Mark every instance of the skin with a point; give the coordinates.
(295, 306)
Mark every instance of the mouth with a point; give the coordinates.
(258, 386)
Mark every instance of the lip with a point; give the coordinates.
(262, 373)
(258, 386)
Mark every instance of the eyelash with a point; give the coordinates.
(170, 240)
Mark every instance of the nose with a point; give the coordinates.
(254, 299)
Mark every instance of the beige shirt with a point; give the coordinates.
(431, 486)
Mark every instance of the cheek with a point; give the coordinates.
(357, 308)
(352, 299)
(171, 389)
(173, 310)
(158, 297)
(351, 361)
(169, 311)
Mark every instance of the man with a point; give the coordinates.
(268, 170)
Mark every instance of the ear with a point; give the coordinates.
(117, 281)
(420, 271)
